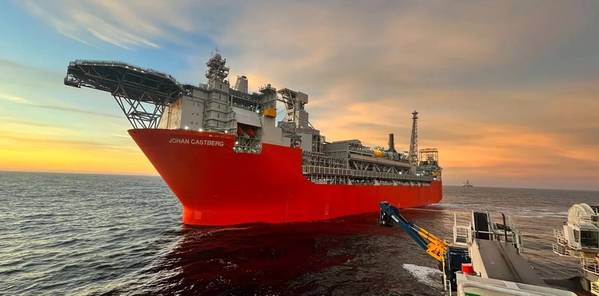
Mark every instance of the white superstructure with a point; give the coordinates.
(151, 99)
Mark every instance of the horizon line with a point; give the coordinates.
(158, 175)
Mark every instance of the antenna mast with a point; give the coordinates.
(413, 154)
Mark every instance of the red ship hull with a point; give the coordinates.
(217, 186)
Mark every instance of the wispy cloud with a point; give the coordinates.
(14, 99)
(30, 103)
(32, 87)
(74, 110)
(506, 88)
(81, 144)
(127, 24)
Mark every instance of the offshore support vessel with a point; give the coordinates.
(222, 153)
(484, 258)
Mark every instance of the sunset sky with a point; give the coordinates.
(507, 90)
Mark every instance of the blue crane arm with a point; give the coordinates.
(406, 225)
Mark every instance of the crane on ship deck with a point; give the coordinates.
(450, 258)
(496, 266)
(434, 246)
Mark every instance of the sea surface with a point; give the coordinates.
(67, 234)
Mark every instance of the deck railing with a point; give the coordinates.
(559, 236)
(328, 171)
(561, 250)
(590, 265)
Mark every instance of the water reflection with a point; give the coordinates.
(271, 259)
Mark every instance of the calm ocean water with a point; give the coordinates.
(112, 235)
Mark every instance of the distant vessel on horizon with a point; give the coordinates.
(467, 184)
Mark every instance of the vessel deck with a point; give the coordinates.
(502, 261)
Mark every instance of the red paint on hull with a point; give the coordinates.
(218, 186)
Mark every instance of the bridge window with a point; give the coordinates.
(589, 239)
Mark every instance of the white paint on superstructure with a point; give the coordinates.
(272, 134)
(185, 113)
(306, 142)
(247, 117)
